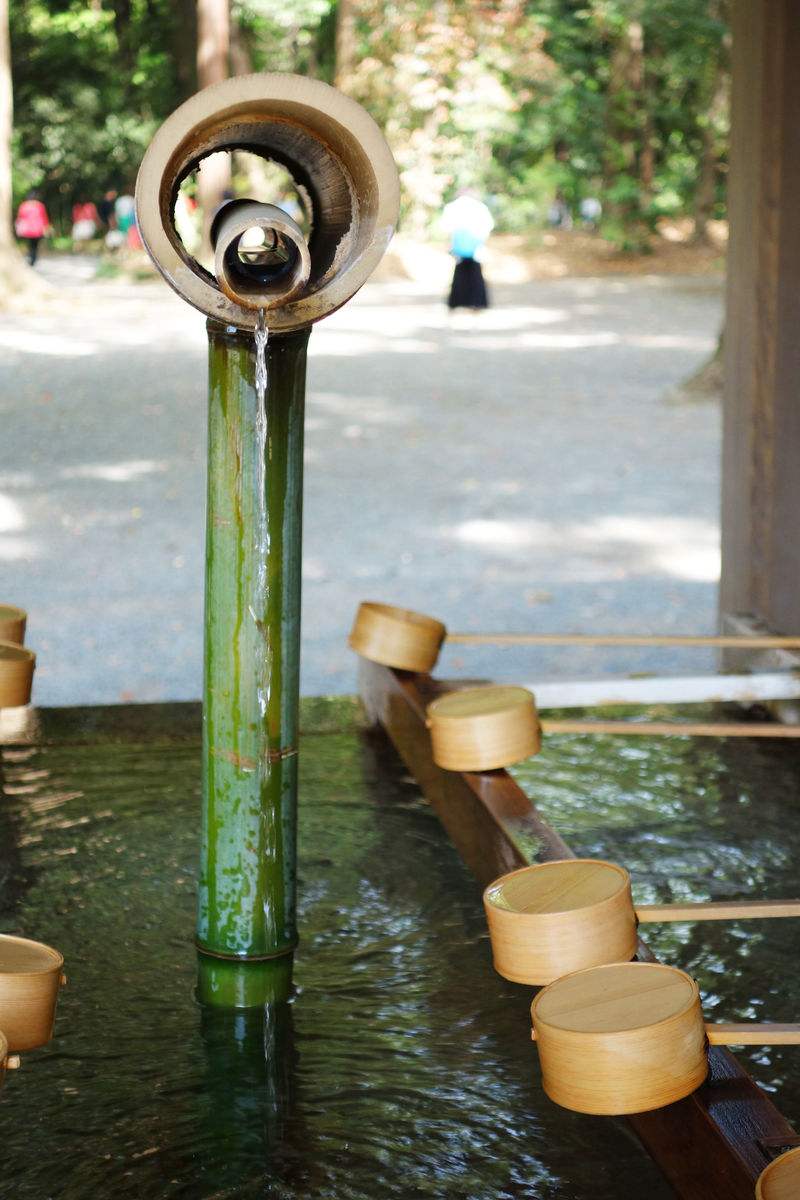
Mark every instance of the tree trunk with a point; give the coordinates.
(345, 40)
(184, 43)
(706, 194)
(628, 158)
(15, 275)
(213, 52)
(241, 62)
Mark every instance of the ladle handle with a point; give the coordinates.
(718, 910)
(752, 1034)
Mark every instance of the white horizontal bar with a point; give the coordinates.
(681, 689)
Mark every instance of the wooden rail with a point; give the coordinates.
(711, 1145)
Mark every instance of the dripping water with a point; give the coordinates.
(260, 600)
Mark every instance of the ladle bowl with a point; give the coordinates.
(554, 918)
(396, 637)
(781, 1179)
(31, 975)
(17, 665)
(12, 624)
(480, 729)
(550, 919)
(630, 1037)
(619, 1039)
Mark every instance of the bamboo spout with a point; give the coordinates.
(246, 928)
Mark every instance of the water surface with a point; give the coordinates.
(402, 1068)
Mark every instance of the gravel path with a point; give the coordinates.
(524, 468)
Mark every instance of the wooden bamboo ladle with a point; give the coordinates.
(17, 665)
(31, 975)
(550, 919)
(480, 729)
(12, 624)
(410, 641)
(396, 637)
(781, 1179)
(630, 1037)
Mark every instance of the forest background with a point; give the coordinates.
(622, 100)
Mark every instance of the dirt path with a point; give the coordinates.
(522, 468)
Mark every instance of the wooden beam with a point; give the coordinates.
(761, 417)
(713, 1144)
(665, 689)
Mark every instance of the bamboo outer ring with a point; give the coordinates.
(30, 979)
(480, 729)
(3, 1057)
(619, 1039)
(335, 153)
(17, 665)
(12, 624)
(396, 637)
(554, 918)
(781, 1179)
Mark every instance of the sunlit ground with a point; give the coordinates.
(527, 468)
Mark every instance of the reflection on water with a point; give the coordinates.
(696, 819)
(403, 1067)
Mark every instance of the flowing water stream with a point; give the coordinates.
(260, 600)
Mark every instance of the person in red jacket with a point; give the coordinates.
(32, 224)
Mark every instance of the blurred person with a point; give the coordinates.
(187, 222)
(32, 224)
(85, 221)
(469, 223)
(591, 211)
(105, 209)
(558, 214)
(125, 212)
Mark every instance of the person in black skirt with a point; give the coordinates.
(469, 223)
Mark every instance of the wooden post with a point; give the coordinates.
(761, 426)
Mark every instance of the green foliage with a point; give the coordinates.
(82, 122)
(625, 100)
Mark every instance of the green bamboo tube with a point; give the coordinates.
(246, 929)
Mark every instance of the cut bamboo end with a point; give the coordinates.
(552, 919)
(17, 665)
(396, 637)
(781, 1179)
(619, 1039)
(12, 624)
(329, 145)
(480, 729)
(30, 980)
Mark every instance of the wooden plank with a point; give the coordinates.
(668, 689)
(711, 1145)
